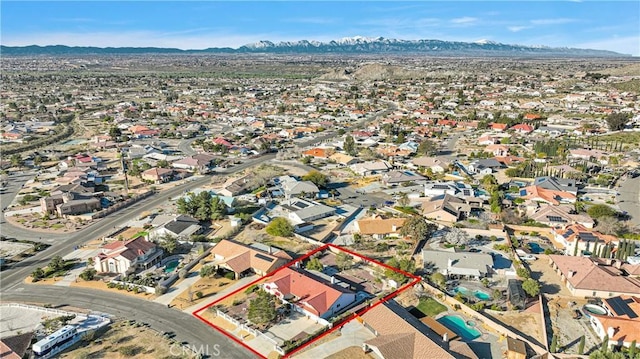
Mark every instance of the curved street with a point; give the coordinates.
(186, 327)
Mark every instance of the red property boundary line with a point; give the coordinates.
(336, 326)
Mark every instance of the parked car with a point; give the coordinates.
(474, 250)
(528, 257)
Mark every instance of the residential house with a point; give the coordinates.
(16, 346)
(458, 264)
(400, 335)
(523, 128)
(343, 159)
(500, 127)
(485, 166)
(240, 258)
(400, 177)
(446, 208)
(436, 164)
(371, 167)
(560, 216)
(497, 150)
(594, 277)
(486, 140)
(459, 189)
(181, 227)
(234, 186)
(620, 323)
(307, 211)
(586, 240)
(319, 152)
(157, 175)
(557, 184)
(379, 228)
(125, 257)
(539, 194)
(309, 295)
(201, 163)
(293, 188)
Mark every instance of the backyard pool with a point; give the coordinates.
(171, 266)
(589, 309)
(459, 326)
(535, 248)
(476, 293)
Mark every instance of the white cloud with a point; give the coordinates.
(517, 28)
(552, 21)
(464, 20)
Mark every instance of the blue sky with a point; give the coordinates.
(579, 23)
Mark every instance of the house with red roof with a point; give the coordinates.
(126, 257)
(523, 128)
(620, 323)
(309, 295)
(499, 126)
(319, 152)
(539, 194)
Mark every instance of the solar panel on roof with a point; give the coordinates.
(301, 205)
(439, 186)
(587, 236)
(621, 307)
(264, 258)
(556, 219)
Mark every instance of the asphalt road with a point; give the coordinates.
(186, 327)
(629, 199)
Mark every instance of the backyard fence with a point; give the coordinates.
(120, 205)
(256, 333)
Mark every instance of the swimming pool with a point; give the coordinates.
(171, 266)
(589, 309)
(535, 248)
(459, 326)
(476, 293)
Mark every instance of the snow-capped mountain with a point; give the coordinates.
(347, 45)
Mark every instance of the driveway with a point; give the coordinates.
(351, 334)
(630, 197)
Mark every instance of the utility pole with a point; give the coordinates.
(125, 168)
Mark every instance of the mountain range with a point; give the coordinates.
(350, 45)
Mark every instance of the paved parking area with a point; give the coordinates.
(295, 324)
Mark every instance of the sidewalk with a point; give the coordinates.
(240, 283)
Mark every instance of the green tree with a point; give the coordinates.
(417, 228)
(317, 177)
(605, 344)
(262, 309)
(280, 227)
(314, 264)
(37, 274)
(581, 345)
(601, 210)
(617, 121)
(115, 133)
(344, 261)
(207, 271)
(168, 243)
(350, 145)
(163, 164)
(426, 148)
(531, 287)
(438, 279)
(523, 272)
(56, 264)
(88, 274)
(554, 344)
(404, 264)
(16, 160)
(306, 160)
(218, 208)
